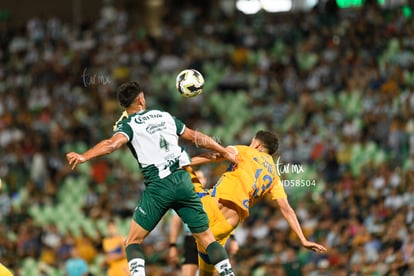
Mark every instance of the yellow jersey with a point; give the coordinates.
(115, 245)
(254, 176)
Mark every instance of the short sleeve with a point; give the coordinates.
(124, 128)
(180, 126)
(278, 191)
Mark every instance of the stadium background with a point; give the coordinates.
(337, 85)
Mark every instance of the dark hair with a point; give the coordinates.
(270, 140)
(127, 92)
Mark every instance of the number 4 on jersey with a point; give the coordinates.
(164, 144)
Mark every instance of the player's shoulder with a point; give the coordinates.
(122, 121)
(233, 148)
(241, 148)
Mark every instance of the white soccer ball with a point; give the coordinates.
(190, 83)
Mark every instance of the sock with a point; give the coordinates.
(219, 258)
(137, 267)
(224, 268)
(136, 261)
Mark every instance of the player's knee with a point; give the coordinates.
(133, 240)
(204, 238)
(136, 234)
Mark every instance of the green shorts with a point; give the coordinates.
(176, 191)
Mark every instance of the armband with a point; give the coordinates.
(173, 245)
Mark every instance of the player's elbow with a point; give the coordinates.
(288, 210)
(285, 207)
(109, 146)
(190, 135)
(194, 136)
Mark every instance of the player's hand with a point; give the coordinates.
(74, 159)
(213, 155)
(316, 247)
(231, 155)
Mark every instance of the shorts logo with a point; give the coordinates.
(142, 210)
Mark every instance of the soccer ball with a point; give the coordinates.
(189, 83)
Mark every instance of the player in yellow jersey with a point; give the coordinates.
(113, 246)
(228, 202)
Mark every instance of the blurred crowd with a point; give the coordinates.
(336, 85)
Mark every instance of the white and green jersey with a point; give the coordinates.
(153, 140)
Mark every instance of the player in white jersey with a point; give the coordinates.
(152, 136)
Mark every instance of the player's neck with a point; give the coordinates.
(135, 109)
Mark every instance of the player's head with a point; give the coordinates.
(265, 141)
(129, 93)
(112, 228)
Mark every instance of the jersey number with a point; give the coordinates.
(267, 181)
(164, 144)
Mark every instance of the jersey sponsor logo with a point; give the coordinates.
(152, 128)
(172, 162)
(141, 119)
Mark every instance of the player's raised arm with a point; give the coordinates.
(290, 215)
(102, 148)
(206, 157)
(209, 157)
(202, 140)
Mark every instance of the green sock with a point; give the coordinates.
(218, 256)
(134, 251)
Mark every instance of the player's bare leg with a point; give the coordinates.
(134, 251)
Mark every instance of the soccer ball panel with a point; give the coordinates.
(190, 83)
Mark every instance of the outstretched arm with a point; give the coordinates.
(207, 157)
(104, 147)
(202, 140)
(289, 214)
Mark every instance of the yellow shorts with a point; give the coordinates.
(218, 224)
